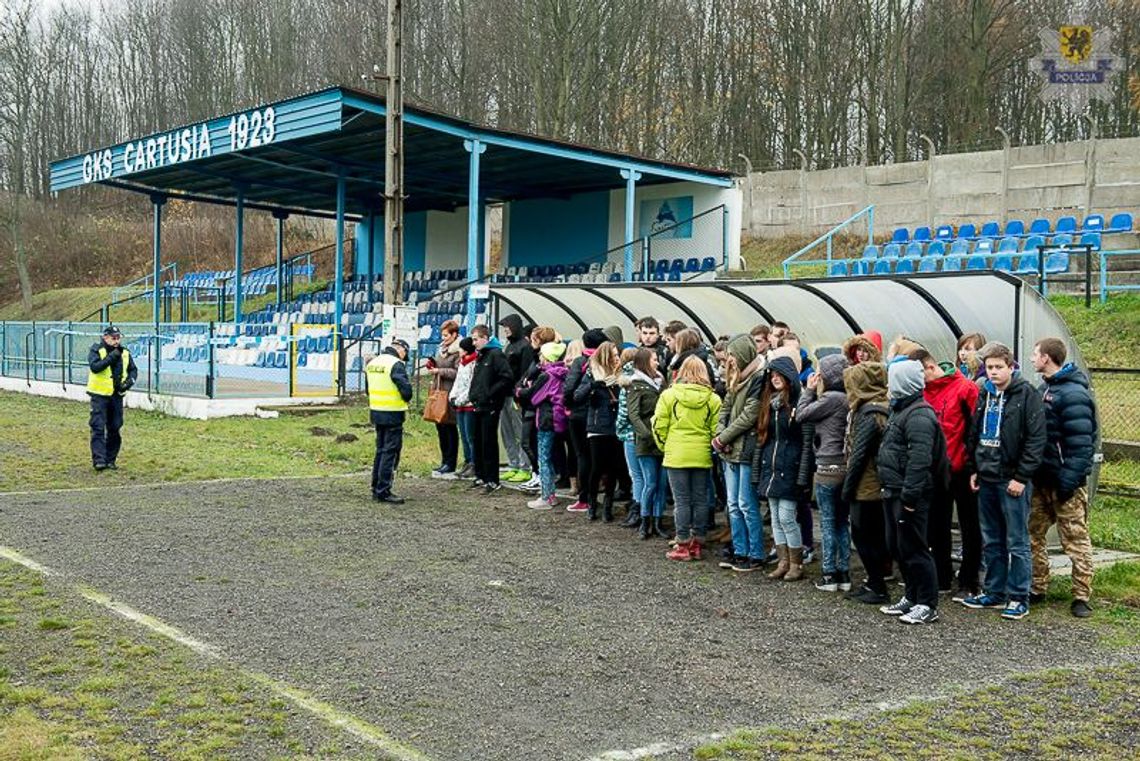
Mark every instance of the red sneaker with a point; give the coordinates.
(681, 552)
(577, 507)
(695, 548)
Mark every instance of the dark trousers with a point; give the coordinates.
(607, 460)
(907, 539)
(448, 434)
(870, 535)
(486, 441)
(582, 453)
(389, 442)
(938, 537)
(106, 421)
(530, 442)
(804, 518)
(966, 502)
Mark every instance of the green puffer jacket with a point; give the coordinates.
(736, 426)
(640, 404)
(683, 425)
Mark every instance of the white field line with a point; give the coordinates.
(385, 744)
(152, 484)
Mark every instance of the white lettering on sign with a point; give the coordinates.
(248, 130)
(252, 129)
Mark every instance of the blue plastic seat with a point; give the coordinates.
(892, 251)
(838, 268)
(280, 360)
(615, 277)
(674, 276)
(1094, 223)
(977, 263)
(936, 248)
(677, 265)
(693, 265)
(1027, 264)
(1015, 227)
(1091, 239)
(1003, 263)
(1121, 223)
(883, 266)
(1032, 242)
(860, 267)
(1057, 262)
(984, 246)
(1066, 225)
(952, 263)
(967, 231)
(900, 235)
(929, 264)
(302, 359)
(905, 266)
(990, 230)
(944, 232)
(870, 252)
(1061, 239)
(960, 247)
(661, 266)
(914, 249)
(1008, 244)
(1040, 226)
(922, 234)
(708, 264)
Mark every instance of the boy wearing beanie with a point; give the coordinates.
(912, 460)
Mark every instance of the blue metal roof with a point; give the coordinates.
(288, 156)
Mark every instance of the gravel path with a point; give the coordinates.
(475, 628)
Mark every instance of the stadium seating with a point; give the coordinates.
(1040, 226)
(944, 232)
(929, 264)
(967, 232)
(1121, 223)
(990, 230)
(914, 249)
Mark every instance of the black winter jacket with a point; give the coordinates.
(1022, 433)
(600, 401)
(1071, 430)
(530, 382)
(492, 383)
(574, 378)
(776, 463)
(519, 352)
(912, 456)
(866, 436)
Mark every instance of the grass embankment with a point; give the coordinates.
(1053, 714)
(45, 445)
(77, 683)
(1108, 334)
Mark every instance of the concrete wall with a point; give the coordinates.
(1051, 181)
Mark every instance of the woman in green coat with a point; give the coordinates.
(641, 402)
(683, 426)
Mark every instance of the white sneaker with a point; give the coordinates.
(543, 503)
(534, 483)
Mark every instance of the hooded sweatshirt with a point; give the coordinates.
(827, 411)
(866, 385)
(683, 425)
(519, 352)
(736, 426)
(953, 398)
(547, 400)
(462, 385)
(870, 341)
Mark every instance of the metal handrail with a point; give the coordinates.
(827, 237)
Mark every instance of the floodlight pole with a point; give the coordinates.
(394, 159)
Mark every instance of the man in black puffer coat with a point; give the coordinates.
(1059, 494)
(912, 463)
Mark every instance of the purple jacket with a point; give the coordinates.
(548, 401)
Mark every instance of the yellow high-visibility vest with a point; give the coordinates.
(101, 383)
(383, 393)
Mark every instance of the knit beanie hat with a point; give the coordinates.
(553, 351)
(593, 338)
(905, 378)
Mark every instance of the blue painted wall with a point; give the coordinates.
(553, 231)
(415, 243)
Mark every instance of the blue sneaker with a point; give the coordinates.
(1015, 610)
(977, 602)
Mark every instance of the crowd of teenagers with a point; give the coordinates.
(885, 446)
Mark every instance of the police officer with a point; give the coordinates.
(111, 371)
(388, 393)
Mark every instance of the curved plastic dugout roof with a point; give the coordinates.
(934, 310)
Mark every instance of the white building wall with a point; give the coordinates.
(702, 243)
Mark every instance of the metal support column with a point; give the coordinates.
(158, 201)
(280, 216)
(371, 255)
(474, 208)
(631, 177)
(239, 234)
(338, 275)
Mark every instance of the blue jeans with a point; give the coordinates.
(466, 423)
(634, 471)
(835, 527)
(785, 528)
(743, 510)
(546, 472)
(653, 486)
(1005, 541)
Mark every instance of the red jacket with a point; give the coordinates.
(953, 398)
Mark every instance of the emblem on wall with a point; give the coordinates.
(1076, 64)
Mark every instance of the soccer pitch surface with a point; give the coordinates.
(471, 627)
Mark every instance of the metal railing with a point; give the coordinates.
(1107, 287)
(827, 238)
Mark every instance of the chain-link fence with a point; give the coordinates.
(1118, 400)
